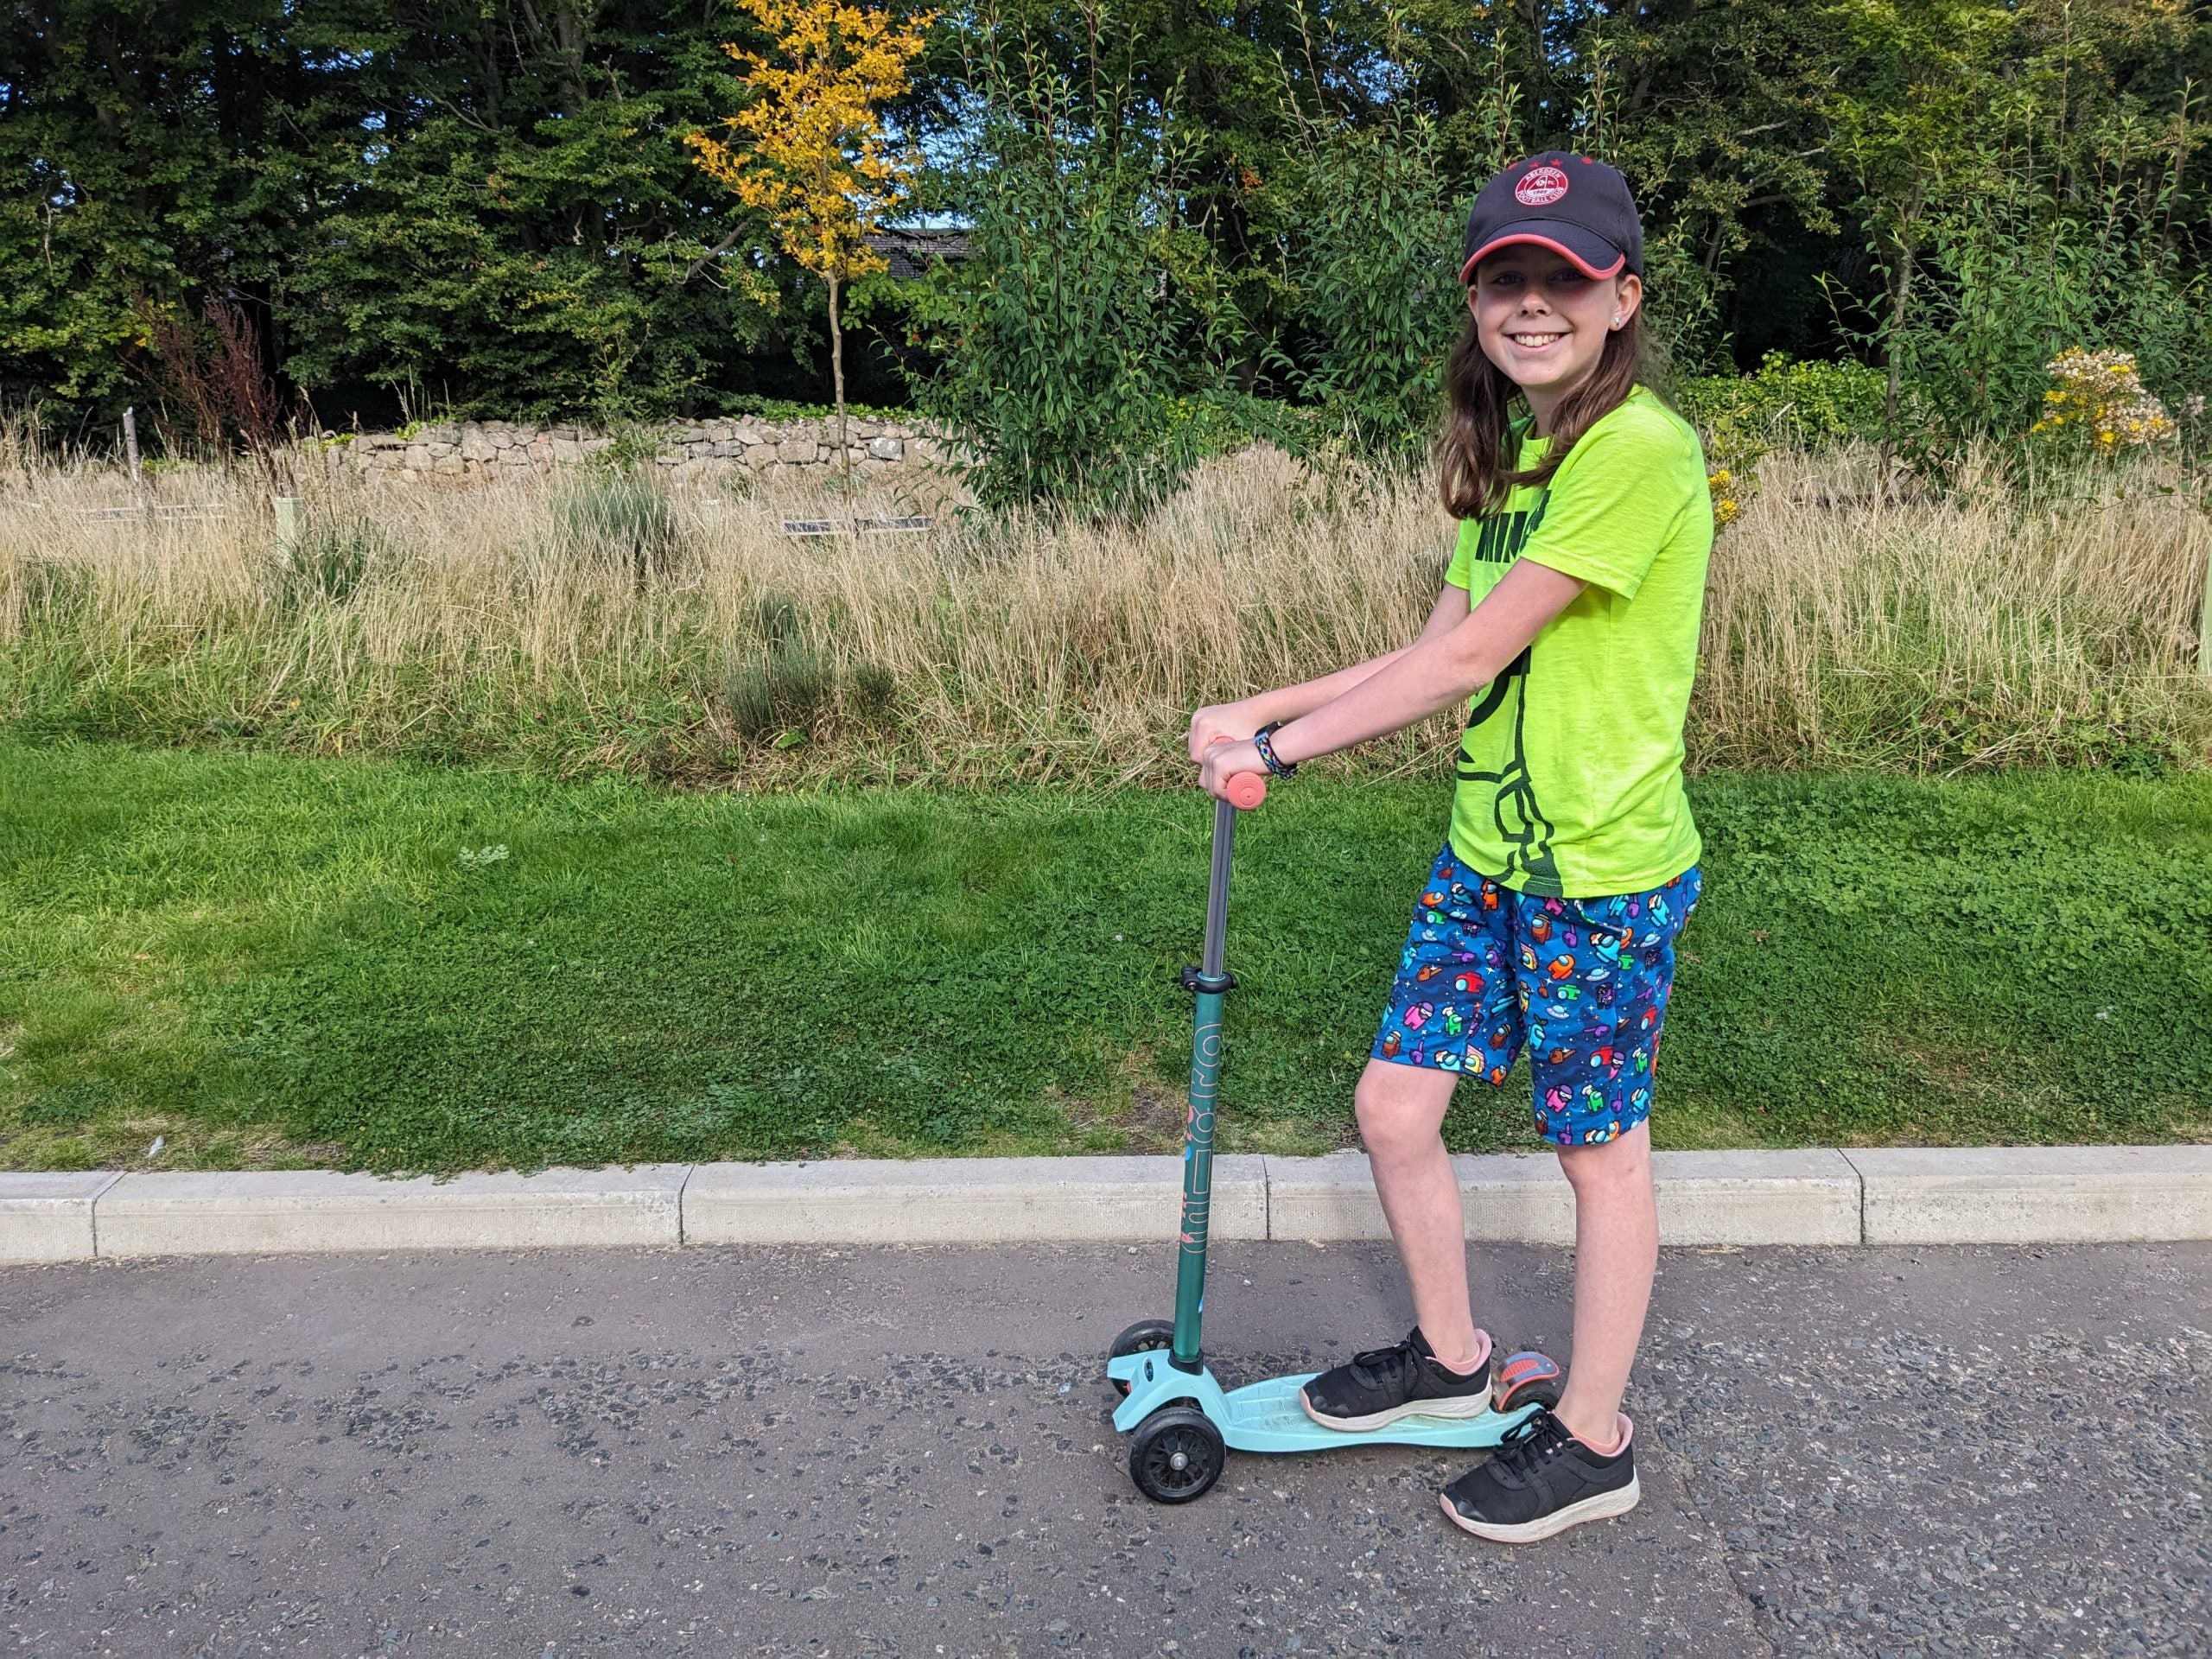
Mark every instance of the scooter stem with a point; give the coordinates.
(1224, 840)
(1211, 983)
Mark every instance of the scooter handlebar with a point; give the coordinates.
(1246, 789)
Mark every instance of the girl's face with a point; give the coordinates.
(1542, 321)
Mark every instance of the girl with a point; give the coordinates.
(1569, 622)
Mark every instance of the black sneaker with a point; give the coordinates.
(1542, 1480)
(1384, 1385)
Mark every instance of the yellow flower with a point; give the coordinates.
(1725, 506)
(2102, 390)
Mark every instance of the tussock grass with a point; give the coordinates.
(595, 623)
(1856, 618)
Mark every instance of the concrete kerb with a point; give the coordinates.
(2034, 1195)
(1809, 1196)
(262, 1210)
(963, 1200)
(1817, 1196)
(49, 1218)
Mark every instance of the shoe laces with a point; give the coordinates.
(1380, 1367)
(1529, 1445)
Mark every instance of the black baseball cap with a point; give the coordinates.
(1575, 205)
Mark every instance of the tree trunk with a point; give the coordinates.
(1898, 303)
(837, 376)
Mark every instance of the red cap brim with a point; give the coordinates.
(1596, 273)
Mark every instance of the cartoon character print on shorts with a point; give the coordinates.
(1581, 983)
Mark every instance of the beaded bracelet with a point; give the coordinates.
(1260, 742)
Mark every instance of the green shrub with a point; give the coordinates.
(1807, 405)
(630, 445)
(778, 685)
(1087, 310)
(2047, 245)
(1377, 282)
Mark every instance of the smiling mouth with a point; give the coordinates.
(1534, 342)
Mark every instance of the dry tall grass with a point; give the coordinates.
(1855, 616)
(1851, 621)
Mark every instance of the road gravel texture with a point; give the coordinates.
(831, 1452)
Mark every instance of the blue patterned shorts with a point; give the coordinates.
(1582, 983)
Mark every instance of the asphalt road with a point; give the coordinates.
(906, 1452)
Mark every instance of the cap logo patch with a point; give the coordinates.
(1539, 187)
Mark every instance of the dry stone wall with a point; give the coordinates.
(458, 451)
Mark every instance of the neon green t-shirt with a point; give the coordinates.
(1571, 766)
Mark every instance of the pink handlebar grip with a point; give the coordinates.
(1247, 790)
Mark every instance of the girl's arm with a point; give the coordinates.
(1235, 721)
(1436, 672)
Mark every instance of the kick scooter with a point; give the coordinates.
(1181, 1422)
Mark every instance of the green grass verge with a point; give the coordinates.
(270, 961)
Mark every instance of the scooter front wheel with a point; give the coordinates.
(1145, 1336)
(1176, 1454)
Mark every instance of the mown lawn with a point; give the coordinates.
(268, 960)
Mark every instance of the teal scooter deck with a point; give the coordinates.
(1267, 1417)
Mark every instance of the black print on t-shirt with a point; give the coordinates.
(1514, 809)
(1499, 540)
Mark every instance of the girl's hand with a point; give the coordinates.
(1230, 722)
(1227, 760)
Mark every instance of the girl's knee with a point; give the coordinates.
(1391, 1115)
(1624, 1161)
(1382, 1123)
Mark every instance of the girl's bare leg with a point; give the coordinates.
(1401, 1118)
(1615, 1253)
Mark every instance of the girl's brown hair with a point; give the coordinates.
(1475, 466)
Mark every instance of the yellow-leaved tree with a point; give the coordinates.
(808, 152)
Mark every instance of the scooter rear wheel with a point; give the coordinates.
(1176, 1454)
(1145, 1336)
(1527, 1378)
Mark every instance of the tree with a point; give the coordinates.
(485, 199)
(817, 166)
(1082, 336)
(1379, 269)
(130, 139)
(513, 226)
(491, 201)
(1927, 73)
